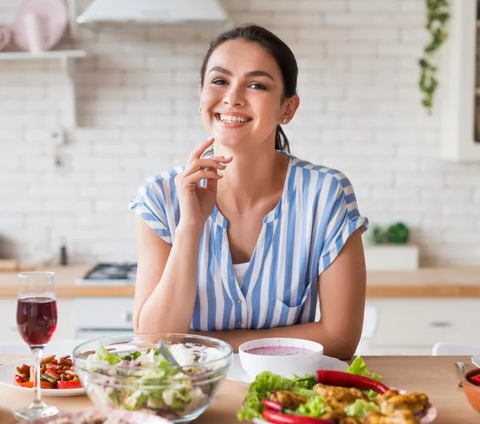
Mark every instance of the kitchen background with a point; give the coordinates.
(137, 93)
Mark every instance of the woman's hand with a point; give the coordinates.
(197, 203)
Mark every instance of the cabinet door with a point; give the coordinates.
(104, 313)
(415, 325)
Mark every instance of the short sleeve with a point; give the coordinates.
(150, 204)
(344, 220)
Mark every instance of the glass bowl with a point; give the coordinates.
(128, 372)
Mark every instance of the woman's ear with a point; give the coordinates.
(290, 107)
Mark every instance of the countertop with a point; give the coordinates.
(424, 282)
(434, 375)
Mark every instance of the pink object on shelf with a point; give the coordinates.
(40, 24)
(5, 35)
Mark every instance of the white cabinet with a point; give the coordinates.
(412, 326)
(102, 316)
(8, 321)
(460, 98)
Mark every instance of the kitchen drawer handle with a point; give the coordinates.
(127, 316)
(439, 324)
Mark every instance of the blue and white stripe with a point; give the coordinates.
(299, 239)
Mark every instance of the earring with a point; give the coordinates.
(285, 120)
(199, 108)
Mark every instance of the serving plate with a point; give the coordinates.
(238, 374)
(52, 21)
(429, 415)
(7, 378)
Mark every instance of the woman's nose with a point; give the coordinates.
(234, 97)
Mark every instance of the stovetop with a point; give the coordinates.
(110, 274)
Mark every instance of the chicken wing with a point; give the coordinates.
(393, 401)
(348, 420)
(289, 399)
(397, 417)
(339, 397)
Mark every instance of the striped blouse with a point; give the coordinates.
(299, 239)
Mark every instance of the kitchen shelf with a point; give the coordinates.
(46, 55)
(67, 63)
(460, 93)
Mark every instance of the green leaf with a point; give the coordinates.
(314, 407)
(262, 386)
(360, 408)
(359, 367)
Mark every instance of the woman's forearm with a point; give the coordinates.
(335, 345)
(170, 306)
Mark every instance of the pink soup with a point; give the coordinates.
(279, 350)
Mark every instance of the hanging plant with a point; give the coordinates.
(438, 14)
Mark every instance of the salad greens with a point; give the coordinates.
(316, 405)
(360, 408)
(140, 380)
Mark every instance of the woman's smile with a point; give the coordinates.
(229, 120)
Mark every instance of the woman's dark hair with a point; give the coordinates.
(280, 52)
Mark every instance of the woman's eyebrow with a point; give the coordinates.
(257, 73)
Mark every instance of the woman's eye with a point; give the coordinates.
(219, 81)
(257, 86)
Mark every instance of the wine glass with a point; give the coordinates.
(36, 321)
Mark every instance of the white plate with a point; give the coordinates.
(7, 378)
(476, 360)
(238, 374)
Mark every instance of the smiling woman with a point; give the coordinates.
(249, 240)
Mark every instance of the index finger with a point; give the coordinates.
(200, 149)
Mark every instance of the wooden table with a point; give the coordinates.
(437, 376)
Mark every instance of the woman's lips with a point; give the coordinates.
(233, 123)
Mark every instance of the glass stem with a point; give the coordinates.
(37, 359)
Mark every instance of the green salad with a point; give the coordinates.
(315, 405)
(145, 380)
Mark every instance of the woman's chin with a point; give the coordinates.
(226, 140)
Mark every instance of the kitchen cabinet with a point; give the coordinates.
(412, 326)
(102, 316)
(460, 85)
(8, 321)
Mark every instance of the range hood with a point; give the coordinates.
(155, 12)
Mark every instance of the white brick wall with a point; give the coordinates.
(360, 112)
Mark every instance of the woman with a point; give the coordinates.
(247, 241)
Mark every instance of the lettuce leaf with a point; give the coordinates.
(359, 367)
(360, 408)
(265, 383)
(104, 355)
(314, 407)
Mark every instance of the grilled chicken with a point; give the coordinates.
(339, 397)
(397, 417)
(289, 399)
(348, 420)
(393, 401)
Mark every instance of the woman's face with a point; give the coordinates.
(241, 98)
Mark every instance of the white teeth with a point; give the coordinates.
(229, 118)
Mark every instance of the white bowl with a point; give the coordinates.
(286, 365)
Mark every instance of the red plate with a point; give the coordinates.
(429, 414)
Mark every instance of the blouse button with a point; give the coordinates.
(239, 323)
(239, 300)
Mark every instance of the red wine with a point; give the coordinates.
(36, 319)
